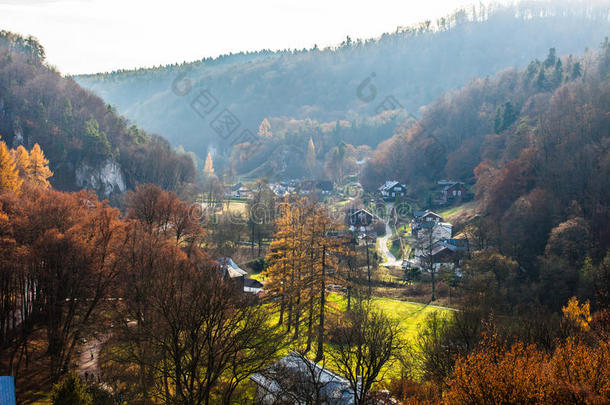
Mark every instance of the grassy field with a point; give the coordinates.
(240, 207)
(459, 212)
(410, 315)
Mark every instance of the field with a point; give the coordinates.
(410, 315)
(236, 206)
(458, 214)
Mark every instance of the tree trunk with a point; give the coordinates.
(320, 353)
(310, 323)
(368, 263)
(281, 320)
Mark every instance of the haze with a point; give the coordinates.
(87, 36)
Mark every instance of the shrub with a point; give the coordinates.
(71, 390)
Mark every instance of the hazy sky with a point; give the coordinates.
(84, 36)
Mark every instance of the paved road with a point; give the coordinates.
(390, 260)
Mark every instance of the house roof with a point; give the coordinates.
(447, 182)
(445, 225)
(450, 186)
(456, 244)
(252, 283)
(431, 213)
(230, 267)
(361, 210)
(7, 390)
(422, 214)
(237, 187)
(389, 184)
(335, 387)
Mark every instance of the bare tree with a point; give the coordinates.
(426, 241)
(196, 338)
(366, 342)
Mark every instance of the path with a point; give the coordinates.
(390, 260)
(90, 364)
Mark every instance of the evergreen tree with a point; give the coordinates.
(96, 142)
(576, 70)
(557, 77)
(541, 82)
(551, 58)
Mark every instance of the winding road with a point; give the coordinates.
(390, 260)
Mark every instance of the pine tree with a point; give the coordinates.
(557, 77)
(541, 82)
(38, 170)
(208, 168)
(9, 174)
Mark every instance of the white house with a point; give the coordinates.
(392, 189)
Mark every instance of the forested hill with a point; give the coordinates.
(415, 65)
(87, 143)
(536, 145)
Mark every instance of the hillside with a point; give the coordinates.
(534, 143)
(88, 143)
(414, 65)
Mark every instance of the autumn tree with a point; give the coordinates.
(495, 374)
(264, 129)
(164, 213)
(38, 171)
(310, 158)
(364, 341)
(9, 173)
(194, 339)
(208, 168)
(22, 161)
(303, 258)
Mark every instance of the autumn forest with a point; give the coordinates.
(418, 218)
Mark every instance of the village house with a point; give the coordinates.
(360, 219)
(281, 190)
(232, 272)
(392, 189)
(446, 252)
(428, 220)
(237, 276)
(240, 191)
(252, 286)
(451, 191)
(297, 380)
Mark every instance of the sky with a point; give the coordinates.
(88, 36)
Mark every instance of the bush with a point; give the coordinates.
(71, 390)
